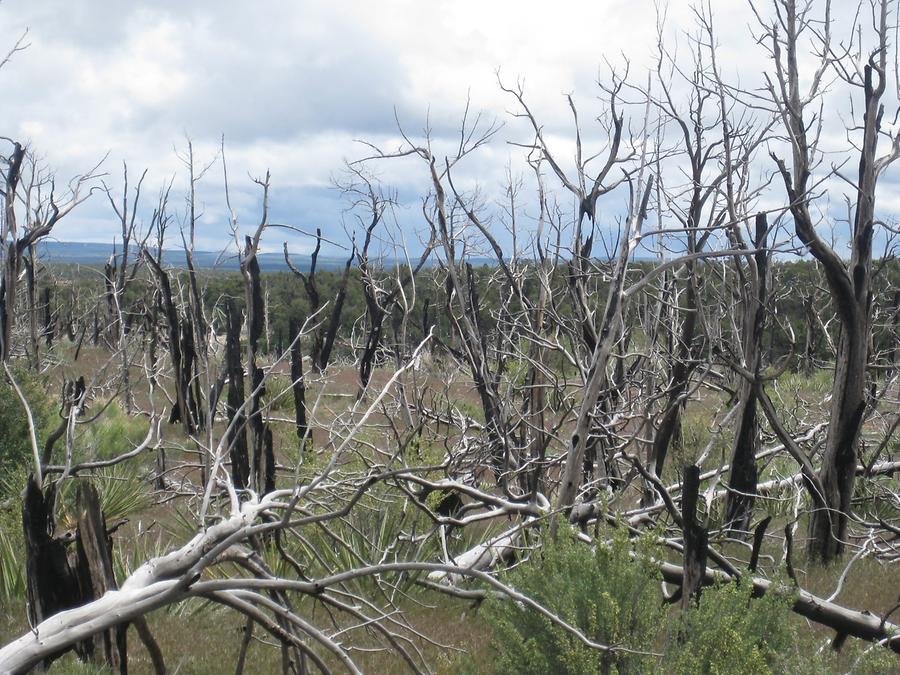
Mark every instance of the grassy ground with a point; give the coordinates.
(204, 639)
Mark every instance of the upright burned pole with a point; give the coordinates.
(744, 474)
(298, 386)
(262, 457)
(185, 408)
(696, 538)
(237, 421)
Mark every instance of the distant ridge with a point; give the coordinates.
(96, 255)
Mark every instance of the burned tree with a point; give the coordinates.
(326, 333)
(849, 282)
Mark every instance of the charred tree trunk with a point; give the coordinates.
(95, 334)
(742, 481)
(13, 263)
(95, 571)
(110, 273)
(32, 293)
(298, 386)
(696, 538)
(181, 411)
(324, 336)
(849, 284)
(237, 421)
(263, 459)
(60, 579)
(52, 584)
(670, 424)
(48, 329)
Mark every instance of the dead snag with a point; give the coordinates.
(95, 571)
(51, 583)
(298, 386)
(237, 435)
(263, 460)
(695, 537)
(181, 410)
(743, 477)
(323, 337)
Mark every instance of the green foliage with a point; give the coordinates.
(111, 435)
(123, 492)
(727, 632)
(12, 571)
(15, 445)
(610, 595)
(12, 541)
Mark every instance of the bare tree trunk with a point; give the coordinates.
(32, 293)
(181, 411)
(696, 538)
(850, 285)
(743, 477)
(237, 440)
(52, 584)
(298, 386)
(95, 569)
(263, 459)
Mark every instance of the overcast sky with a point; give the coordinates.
(292, 85)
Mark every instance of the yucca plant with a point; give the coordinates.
(12, 568)
(123, 492)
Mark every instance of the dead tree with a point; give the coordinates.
(237, 420)
(298, 387)
(24, 183)
(185, 408)
(745, 446)
(61, 576)
(95, 571)
(381, 295)
(200, 367)
(849, 282)
(696, 539)
(262, 459)
(326, 333)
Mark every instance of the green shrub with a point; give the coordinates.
(12, 567)
(609, 595)
(16, 462)
(113, 434)
(15, 443)
(730, 633)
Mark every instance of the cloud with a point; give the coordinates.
(292, 86)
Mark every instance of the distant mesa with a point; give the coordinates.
(96, 254)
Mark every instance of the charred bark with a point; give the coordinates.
(182, 409)
(298, 386)
(263, 459)
(696, 538)
(237, 422)
(744, 474)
